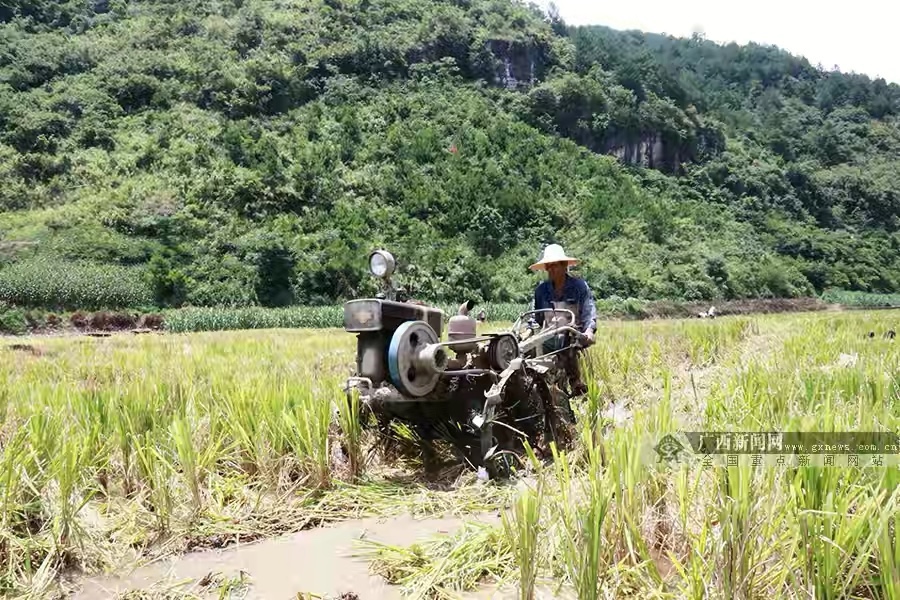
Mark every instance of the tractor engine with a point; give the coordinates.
(377, 323)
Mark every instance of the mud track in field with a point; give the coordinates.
(316, 561)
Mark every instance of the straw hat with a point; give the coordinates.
(552, 254)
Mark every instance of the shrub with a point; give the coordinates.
(12, 320)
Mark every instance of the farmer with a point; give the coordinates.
(561, 290)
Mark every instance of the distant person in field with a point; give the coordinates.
(563, 291)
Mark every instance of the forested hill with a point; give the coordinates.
(159, 153)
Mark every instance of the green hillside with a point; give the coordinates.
(241, 152)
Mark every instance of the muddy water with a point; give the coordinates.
(317, 561)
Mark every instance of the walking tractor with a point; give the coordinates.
(484, 394)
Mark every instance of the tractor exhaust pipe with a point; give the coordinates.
(465, 307)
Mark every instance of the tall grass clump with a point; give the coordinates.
(195, 458)
(692, 558)
(350, 421)
(582, 508)
(757, 540)
(522, 525)
(305, 425)
(834, 516)
(887, 545)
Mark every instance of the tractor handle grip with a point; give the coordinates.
(581, 340)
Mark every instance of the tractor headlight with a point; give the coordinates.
(381, 263)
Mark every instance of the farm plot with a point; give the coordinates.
(118, 451)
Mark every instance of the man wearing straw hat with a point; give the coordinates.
(562, 291)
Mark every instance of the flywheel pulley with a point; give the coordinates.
(502, 350)
(408, 373)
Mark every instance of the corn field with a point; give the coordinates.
(60, 286)
(297, 317)
(862, 299)
(125, 449)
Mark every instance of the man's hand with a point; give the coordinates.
(588, 337)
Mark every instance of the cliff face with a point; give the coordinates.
(524, 64)
(657, 150)
(645, 150)
(517, 65)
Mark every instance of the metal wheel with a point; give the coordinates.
(502, 350)
(556, 418)
(496, 444)
(406, 343)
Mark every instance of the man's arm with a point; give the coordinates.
(588, 315)
(536, 305)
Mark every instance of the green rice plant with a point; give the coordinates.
(155, 469)
(707, 341)
(834, 515)
(68, 468)
(305, 424)
(523, 528)
(21, 512)
(351, 430)
(133, 413)
(887, 545)
(697, 575)
(249, 420)
(524, 531)
(757, 539)
(582, 509)
(635, 487)
(194, 462)
(697, 568)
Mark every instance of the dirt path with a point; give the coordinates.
(316, 561)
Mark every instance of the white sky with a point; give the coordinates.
(858, 36)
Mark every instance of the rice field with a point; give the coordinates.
(116, 451)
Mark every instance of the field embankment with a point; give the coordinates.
(184, 320)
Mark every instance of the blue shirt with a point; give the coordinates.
(575, 291)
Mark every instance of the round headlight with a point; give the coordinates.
(381, 263)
